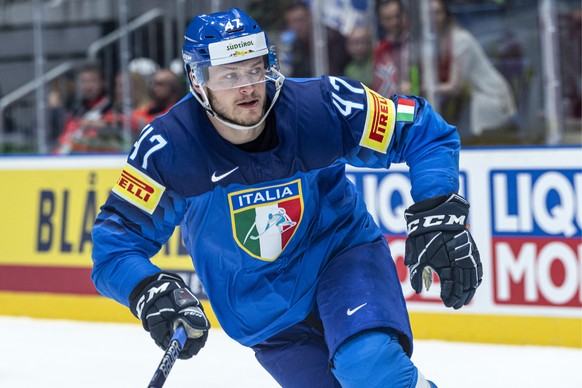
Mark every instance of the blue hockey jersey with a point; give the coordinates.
(262, 226)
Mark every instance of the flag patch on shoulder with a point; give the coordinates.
(405, 109)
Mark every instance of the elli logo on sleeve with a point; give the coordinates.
(380, 119)
(138, 189)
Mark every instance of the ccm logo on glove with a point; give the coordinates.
(149, 295)
(431, 221)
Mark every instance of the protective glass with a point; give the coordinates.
(235, 75)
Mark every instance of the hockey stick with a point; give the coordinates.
(170, 356)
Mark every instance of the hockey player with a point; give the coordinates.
(318, 297)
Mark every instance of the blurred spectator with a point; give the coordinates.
(115, 122)
(165, 91)
(393, 20)
(90, 109)
(465, 71)
(60, 100)
(267, 14)
(112, 130)
(570, 33)
(345, 15)
(139, 91)
(177, 67)
(145, 67)
(359, 47)
(391, 65)
(298, 21)
(7, 122)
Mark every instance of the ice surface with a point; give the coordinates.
(65, 354)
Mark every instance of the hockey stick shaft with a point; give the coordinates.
(170, 356)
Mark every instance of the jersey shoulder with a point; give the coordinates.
(170, 142)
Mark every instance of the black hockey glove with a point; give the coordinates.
(162, 302)
(438, 240)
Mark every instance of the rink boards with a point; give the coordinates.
(526, 217)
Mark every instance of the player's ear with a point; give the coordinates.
(193, 83)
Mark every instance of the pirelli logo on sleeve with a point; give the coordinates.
(138, 189)
(380, 120)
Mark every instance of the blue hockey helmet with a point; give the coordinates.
(224, 38)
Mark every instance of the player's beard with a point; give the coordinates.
(222, 112)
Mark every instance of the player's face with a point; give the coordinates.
(242, 105)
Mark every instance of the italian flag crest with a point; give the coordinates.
(265, 219)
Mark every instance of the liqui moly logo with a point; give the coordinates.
(536, 237)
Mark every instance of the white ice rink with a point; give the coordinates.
(65, 354)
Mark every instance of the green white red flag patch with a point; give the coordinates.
(405, 109)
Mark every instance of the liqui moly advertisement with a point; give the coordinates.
(535, 237)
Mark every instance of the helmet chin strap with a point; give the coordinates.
(206, 105)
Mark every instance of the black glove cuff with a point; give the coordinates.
(441, 213)
(427, 204)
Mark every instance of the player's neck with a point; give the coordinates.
(236, 136)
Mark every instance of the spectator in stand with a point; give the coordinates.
(391, 65)
(465, 69)
(165, 91)
(118, 129)
(93, 104)
(7, 125)
(298, 21)
(146, 67)
(393, 20)
(61, 98)
(360, 48)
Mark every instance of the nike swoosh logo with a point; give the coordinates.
(215, 178)
(351, 312)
